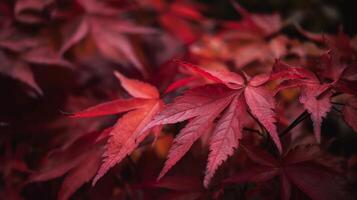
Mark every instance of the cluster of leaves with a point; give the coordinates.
(240, 111)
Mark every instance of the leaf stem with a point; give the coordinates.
(297, 121)
(337, 110)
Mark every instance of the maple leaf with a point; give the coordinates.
(258, 24)
(124, 136)
(80, 161)
(198, 77)
(316, 92)
(315, 96)
(225, 137)
(350, 113)
(18, 52)
(202, 105)
(340, 41)
(18, 71)
(299, 166)
(244, 49)
(109, 32)
(340, 69)
(317, 104)
(179, 18)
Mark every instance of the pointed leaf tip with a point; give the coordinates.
(137, 88)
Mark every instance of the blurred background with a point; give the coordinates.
(34, 121)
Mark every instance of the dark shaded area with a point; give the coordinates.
(31, 125)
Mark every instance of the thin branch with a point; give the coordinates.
(337, 110)
(297, 121)
(337, 103)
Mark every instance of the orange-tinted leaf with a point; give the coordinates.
(137, 88)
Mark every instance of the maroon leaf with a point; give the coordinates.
(350, 113)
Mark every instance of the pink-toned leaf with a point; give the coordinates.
(124, 27)
(126, 135)
(287, 85)
(279, 46)
(284, 71)
(111, 107)
(45, 56)
(137, 88)
(61, 161)
(317, 104)
(193, 130)
(98, 7)
(115, 46)
(78, 34)
(262, 24)
(19, 71)
(179, 27)
(179, 83)
(194, 102)
(80, 175)
(259, 80)
(225, 138)
(261, 104)
(186, 10)
(230, 79)
(199, 71)
(251, 52)
(268, 23)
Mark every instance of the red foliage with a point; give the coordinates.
(219, 96)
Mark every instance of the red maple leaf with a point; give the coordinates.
(260, 25)
(80, 161)
(315, 96)
(108, 30)
(180, 18)
(19, 51)
(299, 166)
(340, 41)
(126, 134)
(230, 94)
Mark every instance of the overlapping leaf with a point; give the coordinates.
(315, 96)
(124, 136)
(298, 167)
(180, 18)
(18, 52)
(202, 105)
(108, 30)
